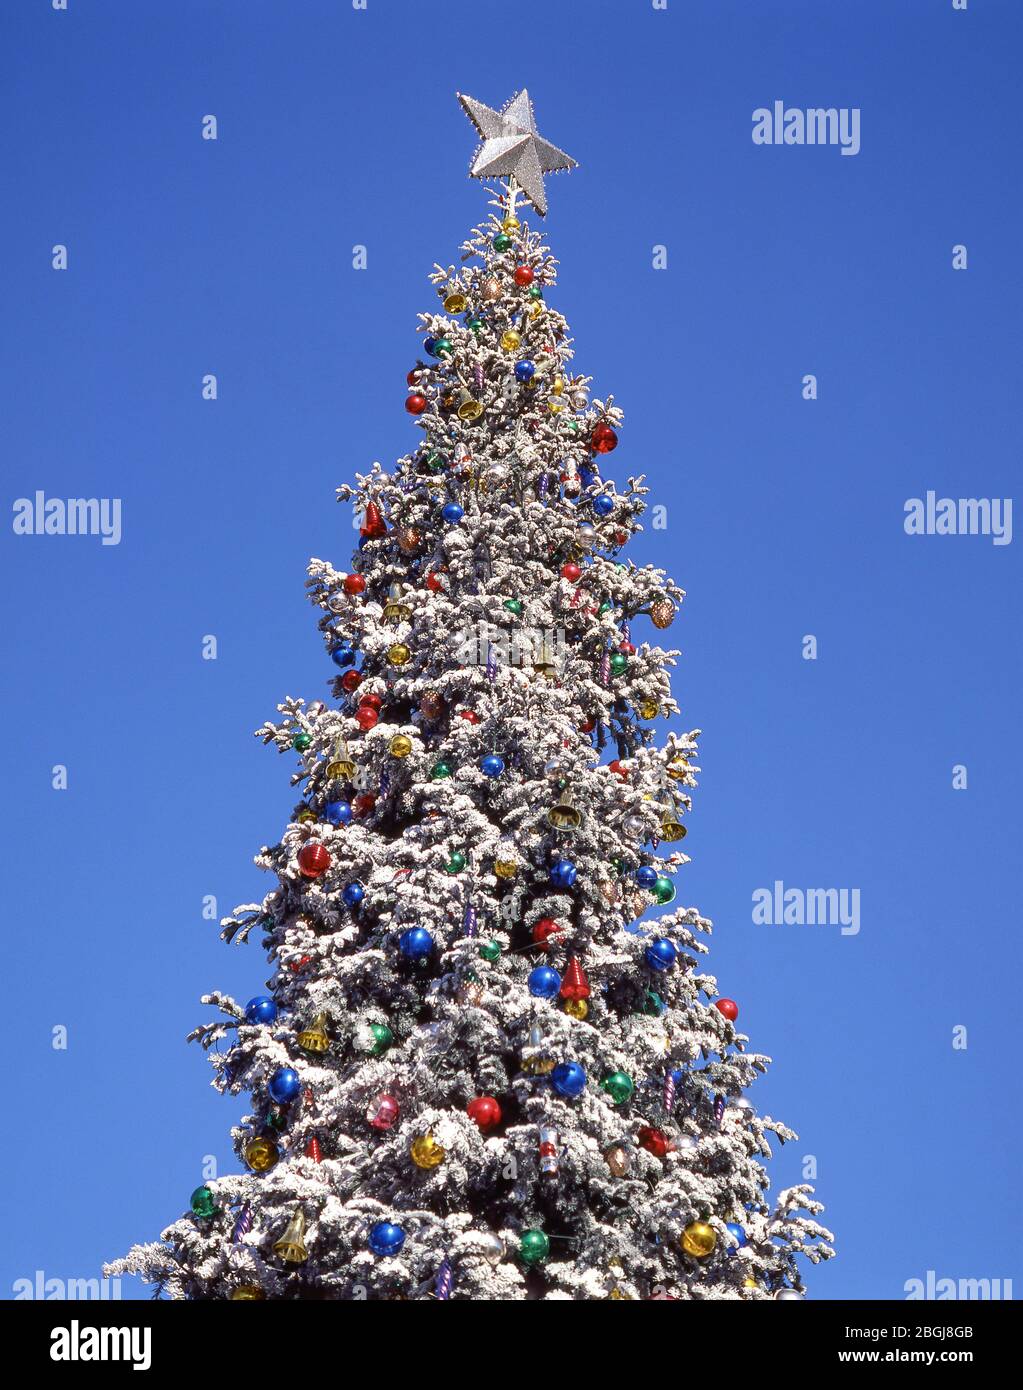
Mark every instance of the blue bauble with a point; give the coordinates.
(587, 476)
(524, 371)
(645, 876)
(343, 655)
(338, 812)
(385, 1238)
(738, 1232)
(569, 1079)
(544, 982)
(429, 344)
(492, 765)
(416, 943)
(604, 504)
(284, 1085)
(452, 512)
(262, 1009)
(660, 954)
(563, 873)
(352, 894)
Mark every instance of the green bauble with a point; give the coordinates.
(382, 1038)
(277, 1119)
(502, 241)
(301, 742)
(618, 865)
(619, 663)
(535, 292)
(619, 1086)
(203, 1203)
(474, 322)
(605, 607)
(514, 605)
(456, 863)
(443, 347)
(653, 1004)
(435, 462)
(490, 950)
(534, 1247)
(664, 889)
(440, 770)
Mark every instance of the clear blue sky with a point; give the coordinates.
(784, 518)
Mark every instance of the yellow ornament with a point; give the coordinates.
(576, 1008)
(649, 709)
(291, 1245)
(555, 407)
(510, 340)
(246, 1292)
(314, 1038)
(505, 868)
(400, 746)
(469, 408)
(558, 385)
(511, 223)
(398, 654)
(426, 1152)
(342, 767)
(305, 813)
(750, 1283)
(678, 768)
(261, 1154)
(535, 309)
(455, 302)
(699, 1239)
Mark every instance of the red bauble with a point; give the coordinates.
(587, 726)
(618, 770)
(363, 804)
(621, 537)
(728, 1007)
(571, 572)
(469, 715)
(414, 375)
(485, 1111)
(434, 583)
(296, 965)
(373, 523)
(574, 984)
(627, 648)
(655, 1141)
(603, 439)
(351, 680)
(415, 403)
(355, 584)
(371, 701)
(523, 275)
(544, 930)
(313, 859)
(366, 717)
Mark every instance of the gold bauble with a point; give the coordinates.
(662, 612)
(511, 223)
(246, 1292)
(510, 340)
(699, 1239)
(677, 769)
(398, 654)
(617, 1160)
(576, 1008)
(261, 1154)
(400, 746)
(491, 287)
(750, 1283)
(649, 709)
(616, 1294)
(558, 385)
(426, 1152)
(305, 813)
(505, 868)
(455, 302)
(535, 309)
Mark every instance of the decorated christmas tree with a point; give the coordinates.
(484, 1067)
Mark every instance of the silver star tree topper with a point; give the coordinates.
(512, 148)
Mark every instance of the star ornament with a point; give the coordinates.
(512, 148)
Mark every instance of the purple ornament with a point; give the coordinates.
(469, 920)
(491, 663)
(605, 668)
(243, 1225)
(477, 377)
(444, 1280)
(669, 1092)
(719, 1108)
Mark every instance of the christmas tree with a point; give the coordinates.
(483, 1069)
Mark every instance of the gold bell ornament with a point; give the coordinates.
(315, 1037)
(426, 1152)
(671, 827)
(543, 662)
(246, 1293)
(341, 768)
(394, 610)
(291, 1247)
(535, 1060)
(467, 407)
(304, 812)
(699, 1239)
(455, 302)
(261, 1154)
(564, 816)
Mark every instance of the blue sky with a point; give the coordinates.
(785, 518)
